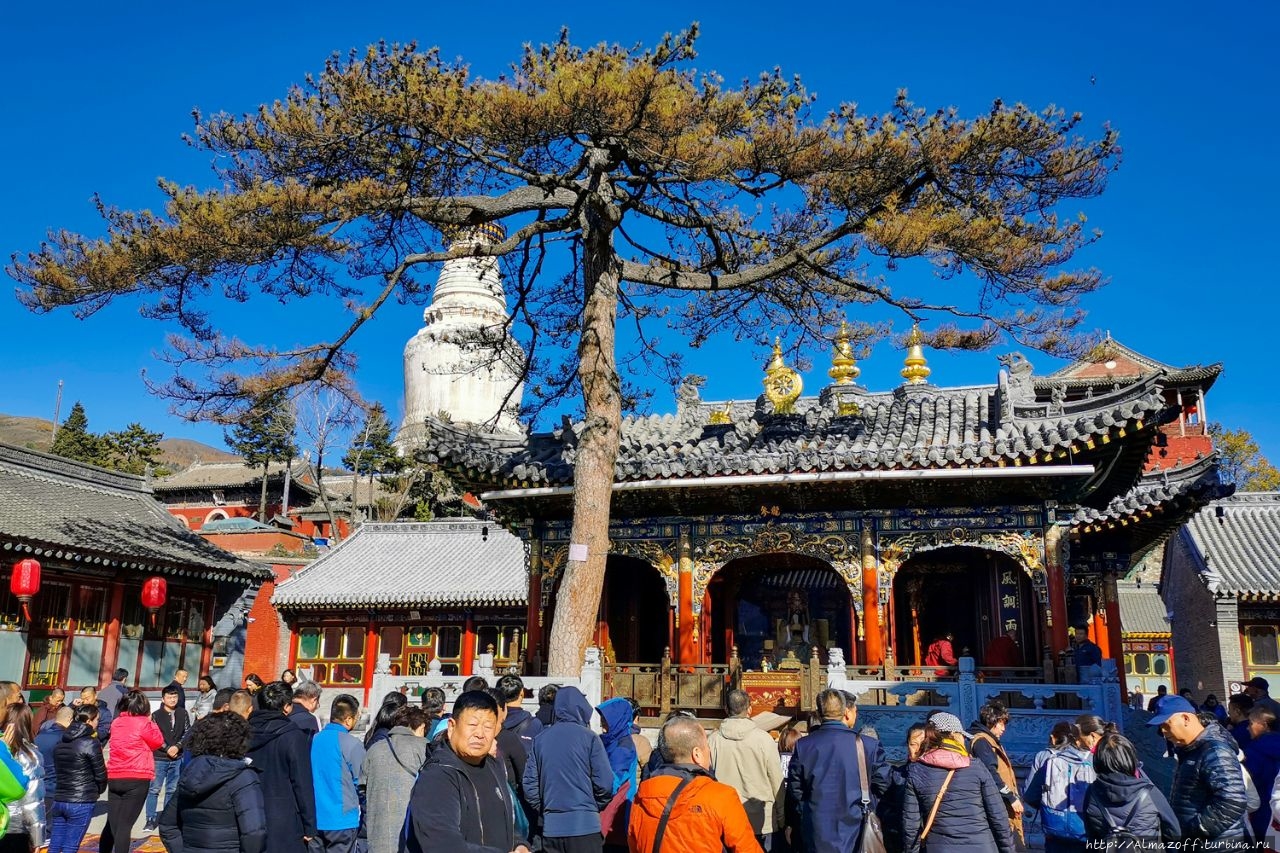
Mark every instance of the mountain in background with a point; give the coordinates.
(176, 453)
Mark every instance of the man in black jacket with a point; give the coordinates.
(1208, 793)
(306, 698)
(282, 753)
(461, 802)
(174, 724)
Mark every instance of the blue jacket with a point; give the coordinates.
(971, 815)
(1208, 787)
(568, 778)
(47, 739)
(824, 791)
(337, 760)
(1262, 760)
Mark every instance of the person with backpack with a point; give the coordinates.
(390, 768)
(985, 746)
(1057, 790)
(1123, 805)
(952, 803)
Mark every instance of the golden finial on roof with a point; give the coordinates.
(844, 368)
(782, 385)
(916, 369)
(723, 415)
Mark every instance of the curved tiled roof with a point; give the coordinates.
(1241, 549)
(83, 514)
(1077, 373)
(434, 563)
(918, 427)
(1142, 611)
(1198, 481)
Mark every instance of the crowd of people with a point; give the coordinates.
(253, 771)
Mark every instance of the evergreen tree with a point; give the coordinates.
(133, 450)
(74, 441)
(266, 434)
(372, 451)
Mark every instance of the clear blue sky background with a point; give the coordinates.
(97, 97)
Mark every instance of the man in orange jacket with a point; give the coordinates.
(681, 808)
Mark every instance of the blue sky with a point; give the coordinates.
(98, 97)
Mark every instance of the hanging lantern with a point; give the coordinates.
(154, 592)
(25, 583)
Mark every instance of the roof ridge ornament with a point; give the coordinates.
(844, 368)
(782, 384)
(916, 367)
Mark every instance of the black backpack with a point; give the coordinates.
(1119, 836)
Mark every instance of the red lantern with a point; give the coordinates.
(25, 583)
(154, 592)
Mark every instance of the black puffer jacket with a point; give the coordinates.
(1118, 795)
(282, 753)
(1208, 787)
(218, 809)
(971, 816)
(81, 772)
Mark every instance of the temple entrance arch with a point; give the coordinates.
(975, 593)
(634, 622)
(767, 603)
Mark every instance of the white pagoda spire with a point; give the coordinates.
(452, 366)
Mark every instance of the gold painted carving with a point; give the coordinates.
(782, 385)
(657, 554)
(842, 552)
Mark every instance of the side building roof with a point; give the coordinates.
(85, 514)
(433, 563)
(1237, 543)
(1142, 611)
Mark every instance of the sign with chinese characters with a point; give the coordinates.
(1007, 590)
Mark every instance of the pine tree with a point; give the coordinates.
(265, 435)
(74, 441)
(372, 453)
(133, 450)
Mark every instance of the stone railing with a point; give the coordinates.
(891, 707)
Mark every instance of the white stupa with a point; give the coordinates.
(451, 367)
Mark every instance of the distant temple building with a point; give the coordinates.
(122, 582)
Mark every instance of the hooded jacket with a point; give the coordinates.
(1118, 795)
(446, 804)
(746, 759)
(824, 791)
(282, 754)
(218, 809)
(390, 767)
(1057, 789)
(1262, 760)
(134, 737)
(526, 725)
(707, 817)
(567, 779)
(26, 815)
(1208, 787)
(81, 775)
(971, 816)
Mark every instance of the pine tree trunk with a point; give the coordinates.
(262, 500)
(578, 599)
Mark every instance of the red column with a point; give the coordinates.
(111, 638)
(853, 636)
(370, 657)
(1115, 633)
(533, 631)
(468, 645)
(685, 651)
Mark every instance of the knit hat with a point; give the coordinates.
(948, 723)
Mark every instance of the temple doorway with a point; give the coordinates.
(771, 604)
(973, 593)
(634, 621)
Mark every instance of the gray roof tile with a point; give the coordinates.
(1241, 552)
(60, 505)
(1142, 611)
(446, 562)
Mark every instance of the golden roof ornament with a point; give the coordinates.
(844, 368)
(782, 385)
(721, 416)
(916, 370)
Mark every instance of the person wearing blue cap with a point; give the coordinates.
(1208, 793)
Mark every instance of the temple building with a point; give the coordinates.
(1220, 585)
(121, 582)
(860, 525)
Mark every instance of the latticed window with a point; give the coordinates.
(1262, 646)
(333, 653)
